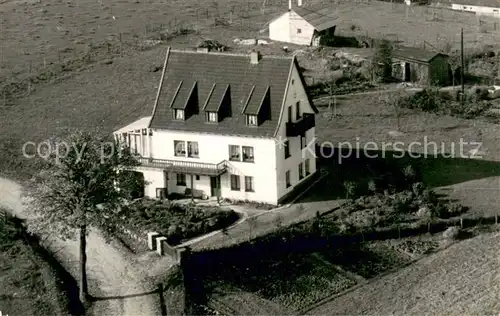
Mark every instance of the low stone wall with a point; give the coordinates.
(158, 243)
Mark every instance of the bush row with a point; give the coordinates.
(175, 221)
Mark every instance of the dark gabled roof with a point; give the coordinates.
(255, 100)
(320, 18)
(415, 54)
(182, 94)
(223, 69)
(480, 3)
(215, 97)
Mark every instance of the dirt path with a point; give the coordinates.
(112, 276)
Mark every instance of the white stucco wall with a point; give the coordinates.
(480, 10)
(279, 29)
(285, 29)
(214, 149)
(296, 92)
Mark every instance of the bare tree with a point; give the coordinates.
(455, 62)
(80, 189)
(395, 100)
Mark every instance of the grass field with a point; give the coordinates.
(461, 280)
(27, 286)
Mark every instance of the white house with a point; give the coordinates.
(303, 26)
(225, 125)
(480, 7)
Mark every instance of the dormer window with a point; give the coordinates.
(179, 114)
(212, 117)
(252, 120)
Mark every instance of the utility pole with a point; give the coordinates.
(462, 62)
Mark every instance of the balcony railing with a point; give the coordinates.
(301, 126)
(181, 166)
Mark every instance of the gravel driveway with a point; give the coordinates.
(113, 275)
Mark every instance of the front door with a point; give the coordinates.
(213, 186)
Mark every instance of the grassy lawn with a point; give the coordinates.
(177, 222)
(28, 286)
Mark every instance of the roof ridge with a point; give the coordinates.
(194, 51)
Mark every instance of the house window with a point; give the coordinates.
(290, 114)
(302, 142)
(181, 179)
(247, 154)
(179, 114)
(144, 131)
(134, 147)
(287, 149)
(212, 117)
(301, 171)
(252, 120)
(249, 184)
(306, 166)
(297, 110)
(160, 193)
(299, 31)
(193, 149)
(197, 177)
(179, 148)
(150, 132)
(287, 179)
(234, 153)
(235, 182)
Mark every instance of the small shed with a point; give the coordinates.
(304, 26)
(413, 64)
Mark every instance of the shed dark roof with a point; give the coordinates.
(320, 18)
(415, 54)
(223, 69)
(481, 3)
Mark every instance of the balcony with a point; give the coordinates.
(301, 126)
(189, 167)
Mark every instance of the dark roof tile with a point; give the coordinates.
(222, 69)
(321, 18)
(215, 97)
(414, 53)
(256, 99)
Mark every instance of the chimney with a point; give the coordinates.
(299, 3)
(202, 49)
(289, 5)
(255, 57)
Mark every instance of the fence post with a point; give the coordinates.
(496, 219)
(428, 227)
(163, 306)
(399, 232)
(461, 222)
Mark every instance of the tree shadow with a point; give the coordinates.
(386, 168)
(94, 299)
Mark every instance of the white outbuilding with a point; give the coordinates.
(303, 26)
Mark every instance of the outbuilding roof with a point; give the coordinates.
(321, 18)
(415, 54)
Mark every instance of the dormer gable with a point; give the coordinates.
(258, 106)
(185, 101)
(218, 103)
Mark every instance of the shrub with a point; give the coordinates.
(418, 188)
(350, 188)
(409, 173)
(455, 209)
(372, 186)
